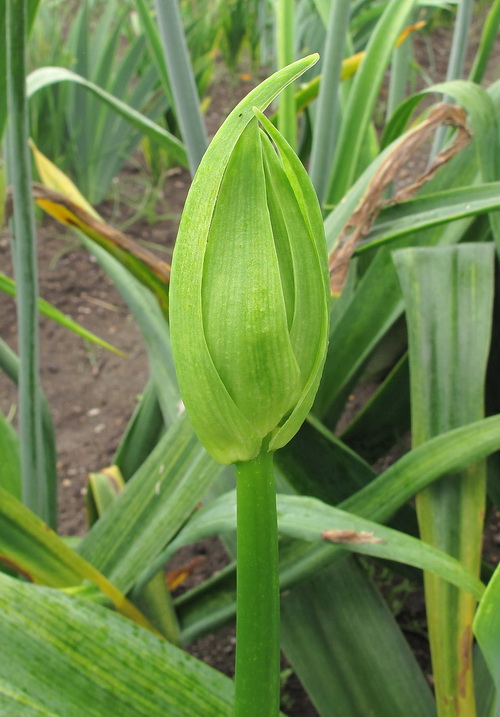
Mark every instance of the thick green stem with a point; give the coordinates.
(257, 622)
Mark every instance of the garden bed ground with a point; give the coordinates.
(93, 392)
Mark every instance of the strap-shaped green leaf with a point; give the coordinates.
(10, 468)
(152, 507)
(46, 76)
(431, 210)
(66, 657)
(448, 295)
(321, 621)
(30, 547)
(487, 628)
(378, 501)
(363, 96)
(309, 519)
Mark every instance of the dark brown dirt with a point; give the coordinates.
(93, 392)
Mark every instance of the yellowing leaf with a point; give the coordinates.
(142, 263)
(53, 178)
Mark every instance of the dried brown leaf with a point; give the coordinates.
(371, 203)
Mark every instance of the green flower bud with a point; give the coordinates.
(249, 296)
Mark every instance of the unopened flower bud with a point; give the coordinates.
(249, 297)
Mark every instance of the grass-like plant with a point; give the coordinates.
(248, 370)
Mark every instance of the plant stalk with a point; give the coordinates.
(39, 488)
(257, 623)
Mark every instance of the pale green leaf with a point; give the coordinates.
(487, 628)
(46, 76)
(309, 519)
(67, 657)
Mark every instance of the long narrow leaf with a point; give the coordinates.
(487, 630)
(182, 82)
(358, 607)
(309, 519)
(486, 43)
(457, 57)
(67, 657)
(10, 468)
(9, 363)
(449, 337)
(328, 112)
(431, 210)
(46, 76)
(152, 507)
(363, 96)
(39, 486)
(142, 434)
(154, 45)
(378, 501)
(31, 548)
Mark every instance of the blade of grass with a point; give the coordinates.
(142, 434)
(385, 417)
(39, 486)
(152, 507)
(29, 546)
(449, 336)
(32, 8)
(431, 210)
(484, 686)
(353, 681)
(154, 600)
(3, 66)
(154, 46)
(398, 80)
(355, 333)
(311, 520)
